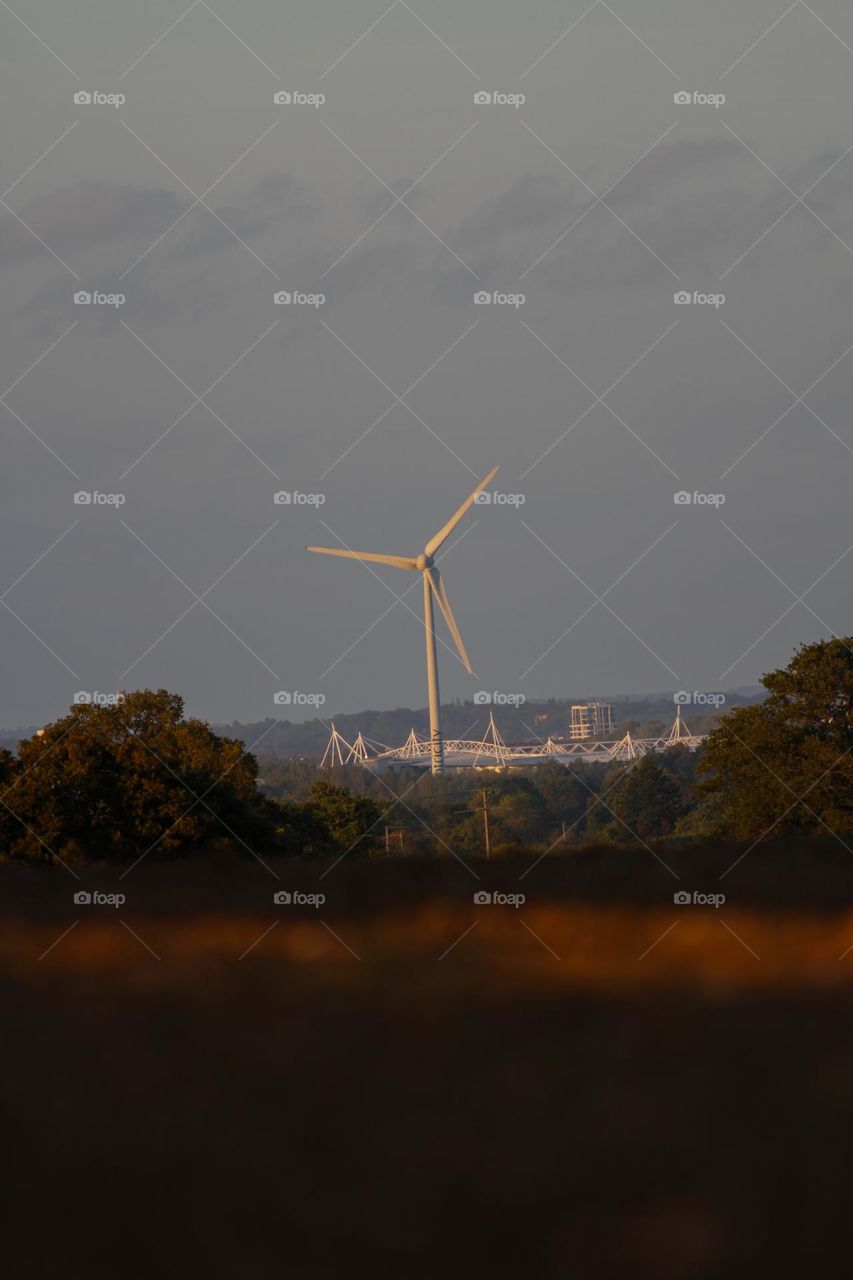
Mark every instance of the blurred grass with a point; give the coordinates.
(687, 1114)
(547, 947)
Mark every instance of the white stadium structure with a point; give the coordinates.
(493, 753)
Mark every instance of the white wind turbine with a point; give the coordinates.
(433, 586)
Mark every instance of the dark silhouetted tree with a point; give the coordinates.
(648, 802)
(350, 819)
(113, 782)
(787, 763)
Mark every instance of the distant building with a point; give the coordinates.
(591, 720)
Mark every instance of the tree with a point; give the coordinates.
(648, 802)
(787, 763)
(301, 830)
(114, 782)
(518, 813)
(9, 774)
(348, 818)
(566, 792)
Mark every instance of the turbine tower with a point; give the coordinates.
(433, 588)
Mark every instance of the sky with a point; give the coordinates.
(581, 165)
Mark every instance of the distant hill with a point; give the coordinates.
(644, 715)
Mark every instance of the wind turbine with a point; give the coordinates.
(433, 587)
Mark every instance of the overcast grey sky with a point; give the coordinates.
(598, 198)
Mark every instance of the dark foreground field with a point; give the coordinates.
(403, 1083)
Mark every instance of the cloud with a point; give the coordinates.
(275, 200)
(87, 216)
(90, 215)
(81, 221)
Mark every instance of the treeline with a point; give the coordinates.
(138, 779)
(118, 783)
(779, 766)
(533, 808)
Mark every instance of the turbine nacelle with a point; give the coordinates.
(424, 562)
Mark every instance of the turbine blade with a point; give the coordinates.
(435, 542)
(399, 562)
(437, 583)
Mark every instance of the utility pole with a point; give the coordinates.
(399, 833)
(486, 823)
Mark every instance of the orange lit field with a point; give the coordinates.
(594, 1083)
(568, 948)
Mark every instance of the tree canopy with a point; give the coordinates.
(646, 802)
(787, 763)
(112, 782)
(116, 782)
